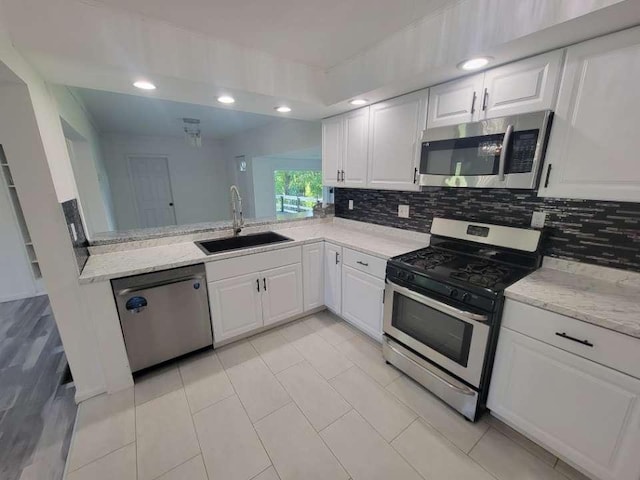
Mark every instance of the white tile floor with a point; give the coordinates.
(312, 399)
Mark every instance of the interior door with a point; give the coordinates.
(455, 102)
(282, 293)
(152, 188)
(333, 277)
(356, 145)
(236, 306)
(332, 149)
(362, 296)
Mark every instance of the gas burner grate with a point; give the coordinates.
(429, 260)
(482, 274)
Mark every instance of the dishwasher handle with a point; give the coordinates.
(198, 279)
(136, 304)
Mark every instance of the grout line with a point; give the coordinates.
(100, 457)
(178, 466)
(476, 443)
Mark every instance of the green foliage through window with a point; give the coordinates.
(297, 191)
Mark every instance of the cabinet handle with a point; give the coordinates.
(338, 176)
(343, 175)
(337, 261)
(485, 97)
(264, 282)
(546, 180)
(258, 283)
(573, 339)
(362, 263)
(473, 102)
(415, 175)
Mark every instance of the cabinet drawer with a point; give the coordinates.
(616, 350)
(365, 263)
(232, 267)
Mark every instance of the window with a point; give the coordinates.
(297, 191)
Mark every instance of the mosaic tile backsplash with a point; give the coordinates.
(81, 245)
(604, 233)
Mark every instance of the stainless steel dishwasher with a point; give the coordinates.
(163, 314)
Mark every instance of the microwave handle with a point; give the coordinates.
(503, 153)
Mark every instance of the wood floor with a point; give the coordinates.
(36, 411)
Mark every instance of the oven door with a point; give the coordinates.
(454, 339)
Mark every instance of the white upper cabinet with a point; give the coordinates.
(395, 129)
(332, 150)
(525, 86)
(594, 144)
(455, 102)
(356, 143)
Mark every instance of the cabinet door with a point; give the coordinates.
(313, 275)
(362, 296)
(236, 306)
(526, 86)
(356, 146)
(594, 144)
(395, 130)
(332, 149)
(455, 102)
(588, 413)
(282, 293)
(333, 277)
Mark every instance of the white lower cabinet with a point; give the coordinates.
(585, 412)
(250, 299)
(362, 296)
(333, 277)
(236, 306)
(282, 293)
(313, 275)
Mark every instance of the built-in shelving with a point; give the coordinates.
(19, 215)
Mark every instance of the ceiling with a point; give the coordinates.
(316, 33)
(136, 115)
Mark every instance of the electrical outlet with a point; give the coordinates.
(538, 219)
(74, 233)
(350, 204)
(403, 211)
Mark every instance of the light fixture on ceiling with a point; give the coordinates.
(193, 135)
(474, 63)
(226, 99)
(358, 101)
(283, 109)
(144, 85)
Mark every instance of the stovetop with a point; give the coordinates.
(478, 268)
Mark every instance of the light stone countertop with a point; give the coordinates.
(606, 297)
(383, 242)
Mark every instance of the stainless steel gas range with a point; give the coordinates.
(443, 305)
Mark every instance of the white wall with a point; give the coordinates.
(86, 160)
(199, 180)
(32, 134)
(276, 138)
(263, 184)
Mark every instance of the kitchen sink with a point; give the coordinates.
(242, 241)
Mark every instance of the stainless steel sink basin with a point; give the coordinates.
(242, 241)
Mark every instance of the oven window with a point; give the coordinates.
(447, 335)
(463, 156)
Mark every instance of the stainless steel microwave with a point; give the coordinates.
(504, 152)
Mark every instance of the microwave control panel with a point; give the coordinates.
(523, 151)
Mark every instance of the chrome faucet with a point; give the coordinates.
(235, 212)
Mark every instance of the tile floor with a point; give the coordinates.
(313, 399)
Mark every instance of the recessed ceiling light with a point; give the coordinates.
(144, 85)
(358, 101)
(474, 63)
(226, 99)
(283, 109)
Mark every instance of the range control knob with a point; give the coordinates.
(454, 293)
(401, 274)
(410, 277)
(466, 297)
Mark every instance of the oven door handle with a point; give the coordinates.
(440, 306)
